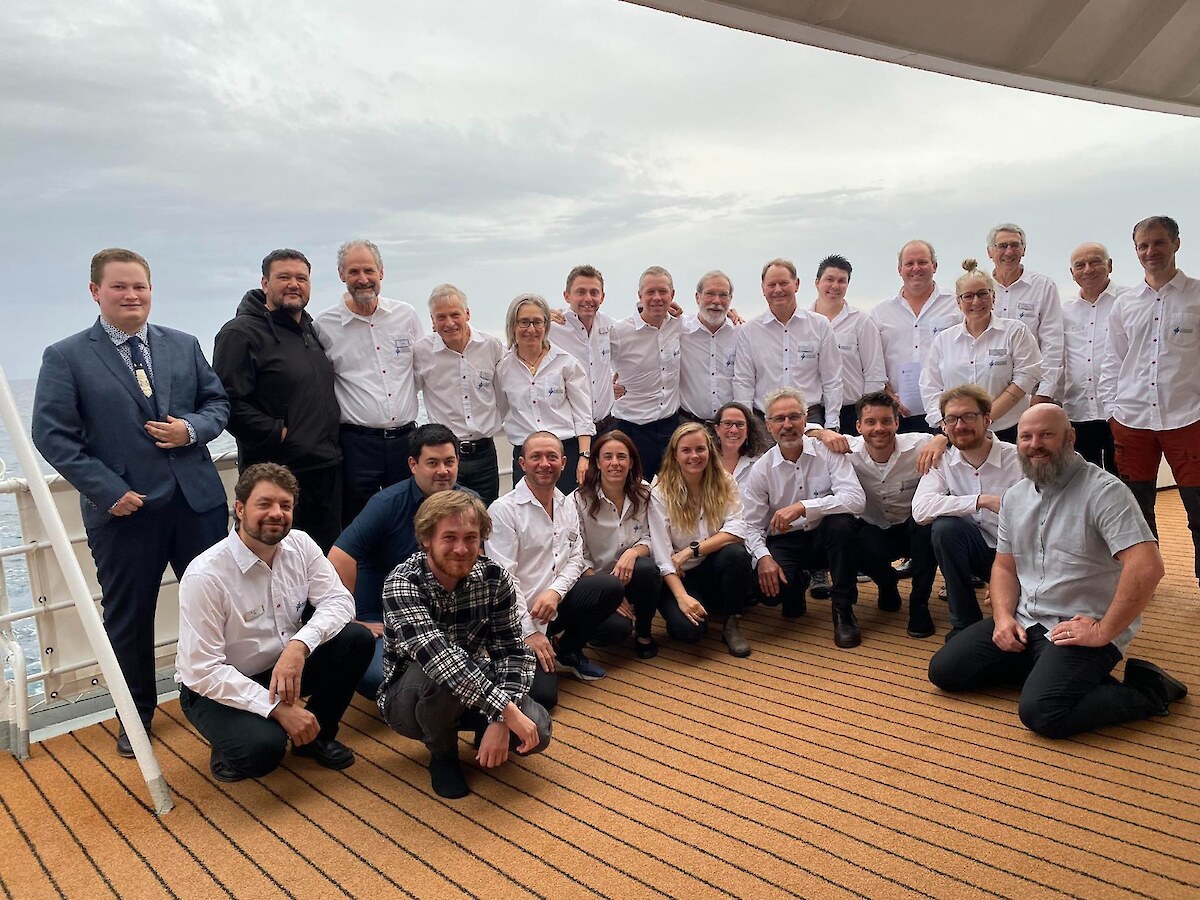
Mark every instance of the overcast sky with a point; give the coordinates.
(496, 144)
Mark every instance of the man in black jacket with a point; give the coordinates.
(280, 386)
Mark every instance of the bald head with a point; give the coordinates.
(1045, 416)
(1045, 443)
(1091, 267)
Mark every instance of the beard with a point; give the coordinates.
(1047, 473)
(262, 535)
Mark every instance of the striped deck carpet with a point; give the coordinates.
(802, 771)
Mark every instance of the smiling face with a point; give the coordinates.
(530, 329)
(436, 469)
(542, 460)
(779, 290)
(287, 285)
(453, 548)
(916, 269)
(266, 516)
(975, 298)
(692, 454)
(732, 429)
(713, 300)
(1155, 250)
(878, 426)
(655, 294)
(361, 275)
(614, 462)
(585, 296)
(123, 295)
(1091, 269)
(1006, 250)
(450, 316)
(965, 425)
(1045, 443)
(786, 419)
(832, 285)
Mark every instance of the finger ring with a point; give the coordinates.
(1068, 634)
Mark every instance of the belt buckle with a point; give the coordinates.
(466, 448)
(390, 433)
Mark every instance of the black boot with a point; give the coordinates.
(845, 627)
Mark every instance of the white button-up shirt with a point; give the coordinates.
(706, 368)
(666, 536)
(1151, 374)
(372, 360)
(539, 552)
(861, 349)
(1004, 353)
(1085, 339)
(906, 337)
(460, 388)
(822, 480)
(1033, 300)
(593, 352)
(953, 488)
(611, 531)
(556, 399)
(889, 486)
(800, 353)
(236, 614)
(646, 362)
(706, 371)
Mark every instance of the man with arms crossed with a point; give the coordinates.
(369, 339)
(453, 654)
(1075, 568)
(456, 370)
(382, 536)
(246, 656)
(800, 501)
(536, 537)
(645, 358)
(123, 411)
(908, 323)
(707, 351)
(961, 498)
(1152, 375)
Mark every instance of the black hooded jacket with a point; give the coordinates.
(277, 376)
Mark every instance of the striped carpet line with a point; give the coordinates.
(30, 846)
(1032, 833)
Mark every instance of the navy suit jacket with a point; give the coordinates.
(88, 418)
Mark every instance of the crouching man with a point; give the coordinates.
(453, 656)
(246, 656)
(1075, 566)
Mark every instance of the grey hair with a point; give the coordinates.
(784, 393)
(510, 321)
(924, 243)
(353, 245)
(780, 261)
(442, 291)
(1006, 226)
(714, 273)
(655, 270)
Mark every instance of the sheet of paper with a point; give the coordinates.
(910, 387)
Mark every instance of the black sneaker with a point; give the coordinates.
(819, 587)
(1154, 683)
(446, 778)
(920, 623)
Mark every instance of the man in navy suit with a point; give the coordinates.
(123, 411)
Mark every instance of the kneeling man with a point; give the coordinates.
(246, 656)
(1075, 567)
(453, 656)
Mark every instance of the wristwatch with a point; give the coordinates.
(695, 545)
(585, 454)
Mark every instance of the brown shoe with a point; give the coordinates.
(733, 638)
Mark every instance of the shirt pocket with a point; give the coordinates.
(551, 390)
(1183, 331)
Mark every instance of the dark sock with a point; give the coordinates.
(447, 778)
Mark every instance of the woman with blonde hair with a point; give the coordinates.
(999, 355)
(543, 388)
(698, 535)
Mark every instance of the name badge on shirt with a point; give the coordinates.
(1026, 305)
(403, 345)
(997, 351)
(251, 615)
(485, 381)
(806, 351)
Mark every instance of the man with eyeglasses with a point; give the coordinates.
(961, 498)
(1151, 375)
(645, 358)
(908, 323)
(1032, 299)
(800, 502)
(1075, 567)
(369, 339)
(707, 347)
(789, 347)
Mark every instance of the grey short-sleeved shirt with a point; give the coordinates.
(1064, 539)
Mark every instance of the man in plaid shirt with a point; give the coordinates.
(453, 657)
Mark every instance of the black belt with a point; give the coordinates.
(387, 434)
(692, 417)
(470, 448)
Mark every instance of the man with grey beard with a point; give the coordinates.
(1075, 567)
(706, 349)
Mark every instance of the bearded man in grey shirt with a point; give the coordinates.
(1075, 567)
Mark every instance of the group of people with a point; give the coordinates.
(371, 553)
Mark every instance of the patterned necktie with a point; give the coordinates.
(140, 370)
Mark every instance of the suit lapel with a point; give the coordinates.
(111, 357)
(160, 360)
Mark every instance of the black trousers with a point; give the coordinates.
(1064, 690)
(585, 609)
(481, 473)
(370, 462)
(723, 583)
(418, 707)
(830, 543)
(962, 552)
(650, 439)
(1094, 441)
(319, 507)
(566, 481)
(916, 424)
(848, 420)
(254, 745)
(878, 547)
(131, 553)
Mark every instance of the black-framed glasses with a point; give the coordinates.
(790, 418)
(531, 323)
(965, 418)
(975, 295)
(730, 424)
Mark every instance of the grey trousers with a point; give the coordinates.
(418, 707)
